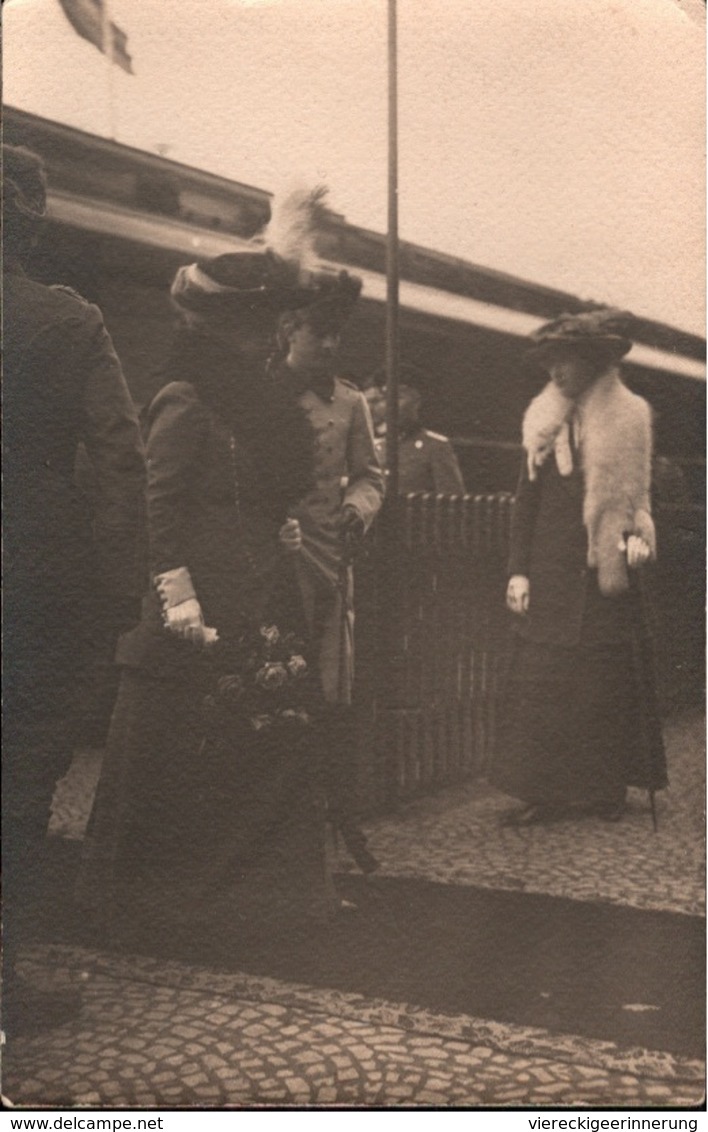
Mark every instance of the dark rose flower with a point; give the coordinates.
(272, 676)
(295, 715)
(270, 634)
(297, 666)
(230, 687)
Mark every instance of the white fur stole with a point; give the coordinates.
(613, 429)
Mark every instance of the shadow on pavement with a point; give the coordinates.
(598, 970)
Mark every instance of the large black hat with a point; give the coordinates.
(603, 331)
(277, 271)
(328, 297)
(252, 278)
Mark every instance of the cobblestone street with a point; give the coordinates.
(165, 1033)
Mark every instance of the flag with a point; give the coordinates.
(86, 17)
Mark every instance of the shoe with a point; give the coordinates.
(366, 861)
(533, 815)
(355, 843)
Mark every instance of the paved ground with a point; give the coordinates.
(456, 838)
(170, 1034)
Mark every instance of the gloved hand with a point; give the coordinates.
(181, 611)
(638, 551)
(290, 536)
(186, 620)
(518, 593)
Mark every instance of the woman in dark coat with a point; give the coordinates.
(197, 805)
(581, 720)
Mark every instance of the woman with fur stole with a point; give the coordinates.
(207, 805)
(581, 721)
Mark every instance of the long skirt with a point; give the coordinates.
(190, 824)
(579, 725)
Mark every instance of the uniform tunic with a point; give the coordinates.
(347, 472)
(426, 462)
(69, 566)
(66, 562)
(63, 387)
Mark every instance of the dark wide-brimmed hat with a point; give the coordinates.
(277, 271)
(327, 295)
(600, 332)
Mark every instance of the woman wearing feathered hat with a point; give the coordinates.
(231, 453)
(581, 720)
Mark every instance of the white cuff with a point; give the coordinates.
(174, 587)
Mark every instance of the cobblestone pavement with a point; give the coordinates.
(457, 838)
(154, 1033)
(145, 1039)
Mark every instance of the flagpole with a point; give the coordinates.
(391, 561)
(107, 39)
(392, 270)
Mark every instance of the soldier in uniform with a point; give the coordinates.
(333, 518)
(66, 568)
(426, 460)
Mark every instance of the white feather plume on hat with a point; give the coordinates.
(296, 217)
(279, 266)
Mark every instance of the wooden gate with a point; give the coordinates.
(431, 630)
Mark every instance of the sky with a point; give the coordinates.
(561, 141)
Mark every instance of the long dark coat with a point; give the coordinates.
(581, 718)
(549, 546)
(179, 818)
(204, 514)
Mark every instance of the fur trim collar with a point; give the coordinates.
(612, 429)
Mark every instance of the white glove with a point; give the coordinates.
(290, 536)
(181, 611)
(517, 594)
(638, 551)
(186, 620)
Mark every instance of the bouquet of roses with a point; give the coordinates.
(260, 678)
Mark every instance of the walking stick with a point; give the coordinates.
(352, 835)
(346, 562)
(643, 661)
